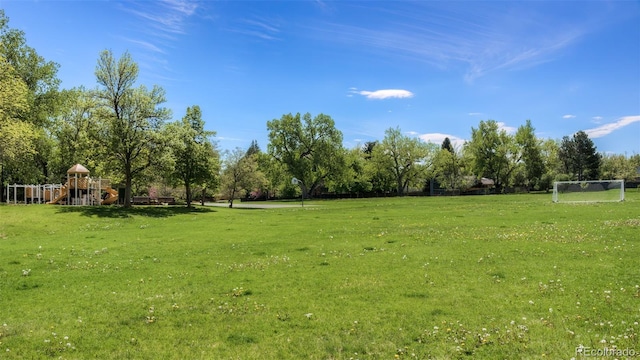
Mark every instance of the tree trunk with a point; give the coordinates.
(233, 193)
(187, 188)
(127, 185)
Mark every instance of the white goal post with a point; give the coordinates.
(588, 191)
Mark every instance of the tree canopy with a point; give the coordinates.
(309, 147)
(130, 119)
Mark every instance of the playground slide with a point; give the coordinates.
(62, 195)
(112, 196)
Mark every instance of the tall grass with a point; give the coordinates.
(466, 277)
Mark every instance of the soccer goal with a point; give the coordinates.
(588, 191)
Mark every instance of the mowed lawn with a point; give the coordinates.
(482, 277)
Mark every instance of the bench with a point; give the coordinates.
(141, 200)
(169, 200)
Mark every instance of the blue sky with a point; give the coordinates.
(432, 68)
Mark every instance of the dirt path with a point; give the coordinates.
(253, 205)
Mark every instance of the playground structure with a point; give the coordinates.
(80, 189)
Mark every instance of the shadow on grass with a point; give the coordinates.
(121, 212)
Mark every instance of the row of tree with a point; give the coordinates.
(121, 130)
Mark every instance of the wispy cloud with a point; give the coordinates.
(482, 39)
(475, 114)
(438, 138)
(165, 17)
(145, 45)
(596, 119)
(606, 129)
(159, 25)
(257, 27)
(383, 94)
(568, 116)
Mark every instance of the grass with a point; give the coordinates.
(467, 277)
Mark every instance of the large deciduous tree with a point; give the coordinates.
(494, 152)
(447, 166)
(72, 130)
(530, 153)
(405, 157)
(130, 118)
(310, 148)
(195, 156)
(37, 102)
(239, 172)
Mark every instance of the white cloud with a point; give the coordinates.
(568, 116)
(508, 129)
(480, 39)
(597, 119)
(438, 138)
(383, 94)
(606, 129)
(475, 114)
(146, 45)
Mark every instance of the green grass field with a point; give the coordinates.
(482, 277)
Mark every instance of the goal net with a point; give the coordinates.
(588, 191)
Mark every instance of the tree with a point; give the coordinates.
(447, 166)
(130, 118)
(239, 172)
(17, 137)
(276, 180)
(618, 167)
(530, 154)
(39, 76)
(580, 157)
(354, 179)
(39, 92)
(309, 148)
(195, 157)
(406, 157)
(253, 148)
(446, 145)
(495, 154)
(550, 153)
(72, 130)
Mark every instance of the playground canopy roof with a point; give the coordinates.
(78, 169)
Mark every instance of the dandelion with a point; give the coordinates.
(531, 302)
(308, 315)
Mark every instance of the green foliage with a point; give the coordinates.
(309, 148)
(195, 159)
(580, 157)
(376, 277)
(129, 119)
(407, 159)
(531, 155)
(355, 179)
(618, 167)
(240, 174)
(74, 133)
(28, 98)
(275, 176)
